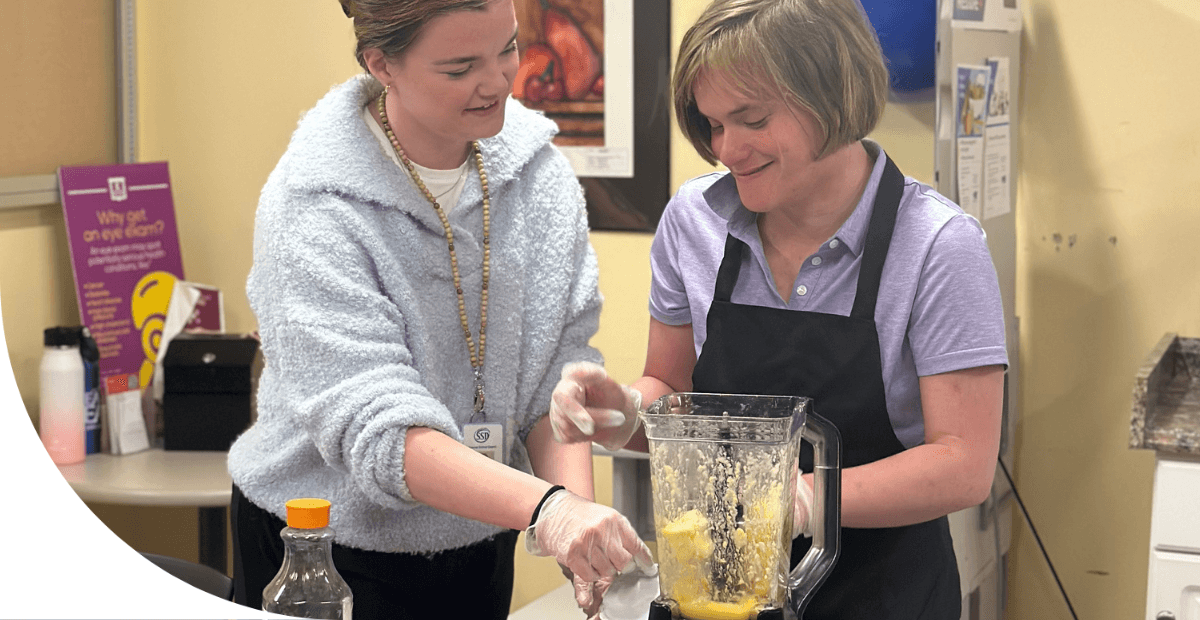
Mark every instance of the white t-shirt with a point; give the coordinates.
(445, 185)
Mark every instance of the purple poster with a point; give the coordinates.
(120, 222)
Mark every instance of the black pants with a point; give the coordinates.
(472, 582)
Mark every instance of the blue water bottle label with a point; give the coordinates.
(91, 407)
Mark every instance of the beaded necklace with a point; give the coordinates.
(476, 359)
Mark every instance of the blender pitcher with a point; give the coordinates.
(722, 471)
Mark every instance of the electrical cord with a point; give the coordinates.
(1001, 573)
(1033, 529)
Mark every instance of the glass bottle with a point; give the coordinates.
(308, 585)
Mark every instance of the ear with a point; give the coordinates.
(378, 65)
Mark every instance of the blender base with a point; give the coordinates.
(660, 610)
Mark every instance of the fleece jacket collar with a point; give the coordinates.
(333, 151)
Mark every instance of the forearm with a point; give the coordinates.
(558, 463)
(443, 473)
(670, 359)
(917, 485)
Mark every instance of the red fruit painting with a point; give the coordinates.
(562, 66)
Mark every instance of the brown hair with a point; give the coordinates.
(821, 56)
(391, 26)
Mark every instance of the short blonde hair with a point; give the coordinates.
(819, 55)
(391, 26)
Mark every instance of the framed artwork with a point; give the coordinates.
(600, 70)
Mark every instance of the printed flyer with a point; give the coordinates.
(120, 222)
(1002, 15)
(970, 95)
(997, 167)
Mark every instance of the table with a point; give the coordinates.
(158, 477)
(557, 603)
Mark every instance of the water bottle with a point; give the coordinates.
(308, 585)
(61, 382)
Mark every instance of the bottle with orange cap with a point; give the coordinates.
(308, 585)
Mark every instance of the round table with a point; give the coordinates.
(157, 477)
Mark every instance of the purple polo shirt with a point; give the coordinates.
(939, 303)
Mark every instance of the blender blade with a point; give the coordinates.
(725, 564)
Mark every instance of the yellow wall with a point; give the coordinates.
(1107, 159)
(58, 108)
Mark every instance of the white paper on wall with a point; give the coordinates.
(1002, 15)
(997, 161)
(970, 96)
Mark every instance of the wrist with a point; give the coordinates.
(537, 510)
(635, 401)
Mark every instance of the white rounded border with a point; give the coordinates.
(65, 562)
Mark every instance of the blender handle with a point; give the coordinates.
(811, 572)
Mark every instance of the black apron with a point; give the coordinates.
(882, 573)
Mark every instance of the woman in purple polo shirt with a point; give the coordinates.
(814, 267)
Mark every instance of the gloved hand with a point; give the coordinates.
(589, 594)
(587, 404)
(802, 508)
(592, 540)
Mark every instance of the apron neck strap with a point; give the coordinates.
(731, 265)
(879, 237)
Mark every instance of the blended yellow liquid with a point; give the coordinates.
(712, 610)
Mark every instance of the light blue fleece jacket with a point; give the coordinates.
(352, 288)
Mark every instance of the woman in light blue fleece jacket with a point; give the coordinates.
(411, 201)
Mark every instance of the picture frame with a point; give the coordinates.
(614, 129)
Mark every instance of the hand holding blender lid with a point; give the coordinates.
(724, 477)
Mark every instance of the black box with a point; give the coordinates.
(208, 390)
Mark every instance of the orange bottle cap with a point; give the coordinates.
(307, 513)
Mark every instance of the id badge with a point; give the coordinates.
(486, 439)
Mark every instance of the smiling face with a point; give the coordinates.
(768, 146)
(450, 87)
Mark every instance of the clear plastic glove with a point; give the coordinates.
(802, 508)
(589, 594)
(588, 405)
(629, 595)
(592, 540)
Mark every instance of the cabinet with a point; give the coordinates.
(1166, 419)
(1173, 590)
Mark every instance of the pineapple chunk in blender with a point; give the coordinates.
(689, 549)
(688, 536)
(686, 552)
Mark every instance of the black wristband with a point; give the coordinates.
(542, 502)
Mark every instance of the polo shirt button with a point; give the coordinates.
(802, 290)
(833, 244)
(816, 261)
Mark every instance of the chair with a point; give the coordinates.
(198, 576)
